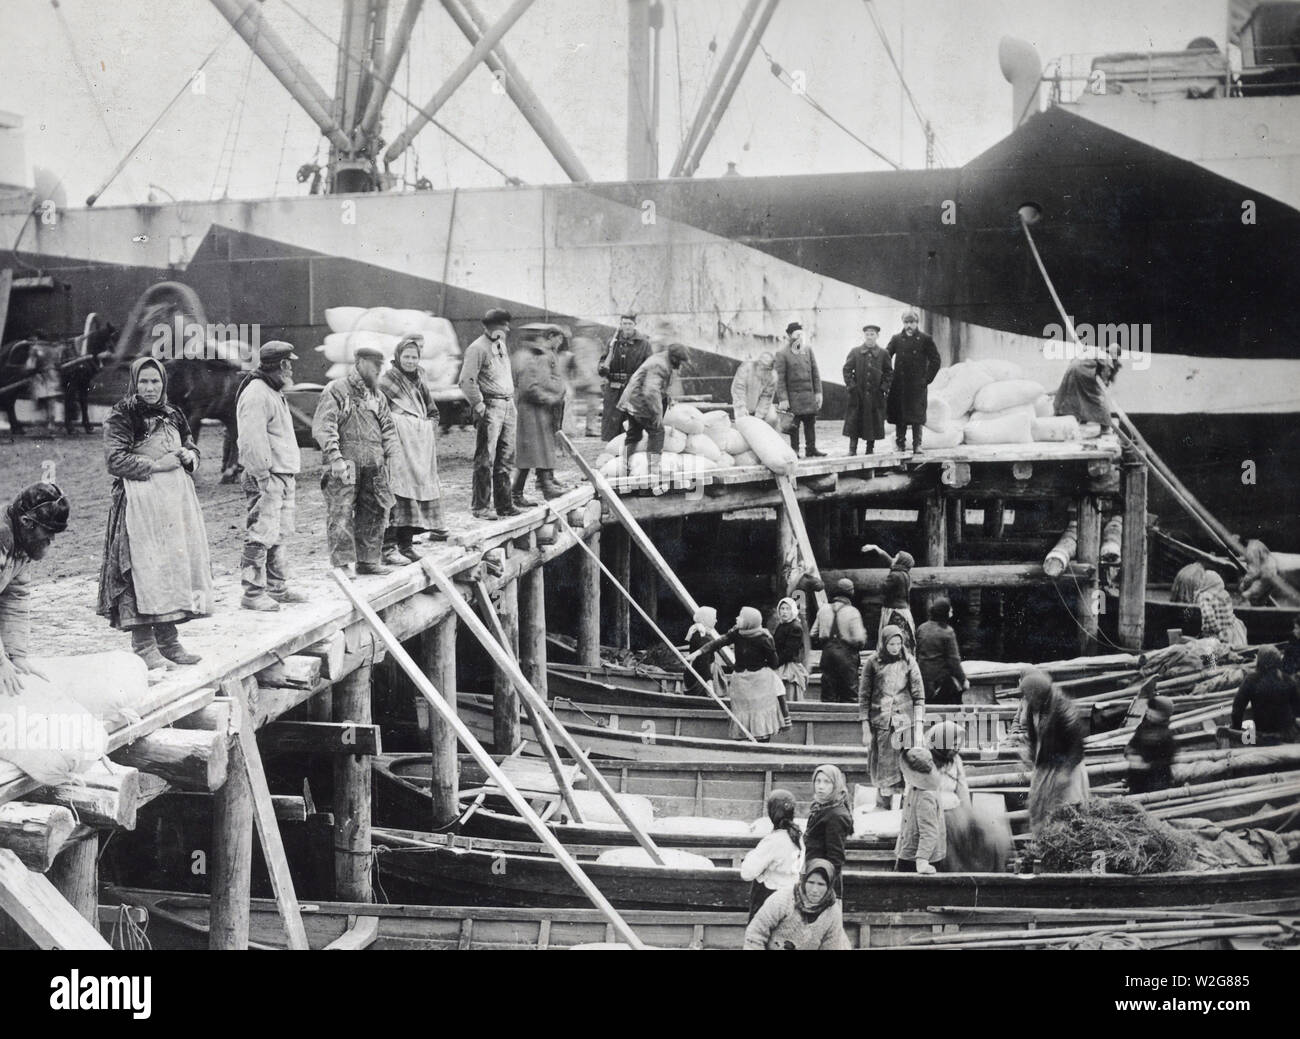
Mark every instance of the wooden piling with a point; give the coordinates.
(352, 794)
(1088, 605)
(1133, 555)
(532, 628)
(589, 604)
(934, 513)
(437, 659)
(956, 517)
(231, 868)
(75, 875)
(505, 701)
(820, 531)
(618, 548)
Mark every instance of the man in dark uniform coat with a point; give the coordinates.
(627, 351)
(916, 363)
(867, 376)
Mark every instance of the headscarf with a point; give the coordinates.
(133, 398)
(1035, 688)
(749, 622)
(810, 911)
(794, 609)
(902, 561)
(882, 650)
(41, 504)
(705, 622)
(1211, 583)
(945, 741)
(1187, 582)
(780, 809)
(412, 382)
(839, 789)
(1267, 659)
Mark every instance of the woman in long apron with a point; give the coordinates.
(754, 687)
(891, 703)
(413, 474)
(156, 572)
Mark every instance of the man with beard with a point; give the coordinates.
(357, 439)
(628, 350)
(268, 453)
(26, 530)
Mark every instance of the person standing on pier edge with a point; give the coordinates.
(754, 688)
(799, 387)
(269, 457)
(916, 363)
(489, 386)
(753, 389)
(358, 443)
(891, 708)
(539, 400)
(868, 375)
(830, 822)
(413, 474)
(628, 350)
(939, 658)
(840, 632)
(645, 401)
(156, 572)
(1051, 736)
(27, 527)
(791, 652)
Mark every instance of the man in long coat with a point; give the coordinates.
(867, 377)
(916, 363)
(799, 387)
(539, 400)
(628, 350)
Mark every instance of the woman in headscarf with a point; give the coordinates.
(413, 474)
(703, 631)
(978, 841)
(891, 704)
(895, 595)
(156, 572)
(1150, 752)
(1273, 699)
(830, 821)
(1052, 735)
(791, 654)
(1182, 592)
(753, 686)
(1217, 616)
(806, 916)
(774, 864)
(842, 636)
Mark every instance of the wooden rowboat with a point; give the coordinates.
(177, 921)
(434, 869)
(1263, 623)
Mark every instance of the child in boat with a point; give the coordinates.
(703, 631)
(753, 687)
(1150, 753)
(830, 821)
(922, 838)
(774, 864)
(806, 916)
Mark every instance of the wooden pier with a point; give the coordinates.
(204, 728)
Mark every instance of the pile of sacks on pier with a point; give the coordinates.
(382, 328)
(697, 442)
(991, 402)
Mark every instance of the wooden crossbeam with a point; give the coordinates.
(44, 915)
(268, 829)
(322, 738)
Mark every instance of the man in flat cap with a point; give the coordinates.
(26, 530)
(268, 453)
(357, 438)
(489, 386)
(867, 376)
(916, 363)
(799, 387)
(645, 401)
(628, 350)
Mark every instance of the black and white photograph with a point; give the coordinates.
(652, 475)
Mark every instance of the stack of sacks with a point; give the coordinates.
(382, 328)
(771, 448)
(690, 447)
(990, 402)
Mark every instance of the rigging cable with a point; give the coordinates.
(509, 178)
(907, 90)
(784, 77)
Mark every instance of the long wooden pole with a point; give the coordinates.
(438, 660)
(484, 759)
(232, 856)
(539, 730)
(352, 788)
(506, 662)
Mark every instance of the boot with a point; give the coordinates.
(517, 497)
(786, 723)
(405, 548)
(853, 446)
(546, 480)
(258, 600)
(392, 557)
(377, 569)
(145, 646)
(169, 645)
(287, 596)
(656, 475)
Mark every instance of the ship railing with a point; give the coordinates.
(1207, 72)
